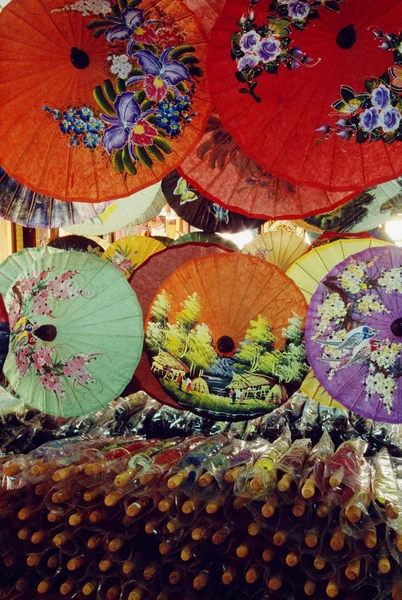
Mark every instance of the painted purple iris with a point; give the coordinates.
(369, 119)
(125, 25)
(128, 127)
(160, 73)
(381, 97)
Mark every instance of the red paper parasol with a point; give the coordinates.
(311, 89)
(105, 99)
(146, 281)
(219, 169)
(206, 11)
(224, 336)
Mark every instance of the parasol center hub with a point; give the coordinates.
(46, 333)
(396, 327)
(346, 37)
(225, 344)
(79, 58)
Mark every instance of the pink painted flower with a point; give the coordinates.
(41, 304)
(14, 314)
(75, 367)
(42, 358)
(22, 359)
(52, 383)
(124, 265)
(26, 285)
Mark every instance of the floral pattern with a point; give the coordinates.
(350, 303)
(147, 102)
(263, 48)
(33, 296)
(376, 113)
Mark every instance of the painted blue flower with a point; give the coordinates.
(164, 106)
(268, 49)
(128, 127)
(381, 97)
(161, 73)
(57, 115)
(298, 10)
(85, 113)
(91, 140)
(130, 19)
(79, 126)
(74, 141)
(369, 119)
(248, 61)
(390, 119)
(69, 113)
(95, 125)
(66, 126)
(249, 41)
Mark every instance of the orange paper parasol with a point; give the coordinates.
(146, 281)
(99, 99)
(224, 336)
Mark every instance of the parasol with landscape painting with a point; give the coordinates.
(224, 336)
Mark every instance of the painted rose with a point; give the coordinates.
(249, 41)
(380, 97)
(390, 119)
(248, 61)
(268, 49)
(369, 119)
(298, 10)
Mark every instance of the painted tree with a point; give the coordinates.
(191, 308)
(200, 352)
(176, 338)
(160, 308)
(259, 339)
(155, 336)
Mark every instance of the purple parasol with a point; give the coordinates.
(354, 333)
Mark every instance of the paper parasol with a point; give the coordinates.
(146, 281)
(281, 248)
(135, 210)
(197, 210)
(354, 333)
(367, 211)
(220, 170)
(78, 243)
(166, 241)
(206, 11)
(71, 351)
(107, 97)
(309, 269)
(314, 390)
(205, 238)
(224, 336)
(128, 253)
(311, 90)
(307, 273)
(25, 207)
(18, 262)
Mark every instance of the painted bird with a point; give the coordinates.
(353, 338)
(360, 354)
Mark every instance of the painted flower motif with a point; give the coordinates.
(248, 61)
(332, 309)
(129, 127)
(52, 383)
(40, 304)
(124, 265)
(352, 277)
(391, 280)
(120, 65)
(249, 41)
(87, 7)
(125, 25)
(268, 49)
(75, 367)
(382, 385)
(369, 119)
(22, 359)
(369, 304)
(41, 358)
(298, 10)
(390, 119)
(381, 97)
(161, 73)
